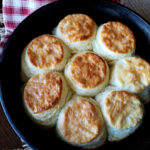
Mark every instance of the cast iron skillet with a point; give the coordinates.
(43, 21)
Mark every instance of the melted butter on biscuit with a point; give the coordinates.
(134, 72)
(124, 110)
(45, 51)
(43, 92)
(81, 122)
(88, 69)
(117, 37)
(76, 27)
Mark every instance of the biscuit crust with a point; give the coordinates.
(45, 51)
(88, 69)
(133, 72)
(123, 109)
(43, 91)
(80, 122)
(76, 27)
(117, 37)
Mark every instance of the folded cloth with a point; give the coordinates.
(14, 11)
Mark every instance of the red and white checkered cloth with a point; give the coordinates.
(14, 11)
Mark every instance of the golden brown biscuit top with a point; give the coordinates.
(45, 51)
(88, 69)
(133, 72)
(76, 27)
(80, 122)
(124, 110)
(117, 37)
(43, 91)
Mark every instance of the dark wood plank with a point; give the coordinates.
(8, 138)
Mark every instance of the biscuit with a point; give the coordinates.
(122, 111)
(87, 73)
(114, 40)
(131, 74)
(43, 53)
(80, 123)
(78, 31)
(44, 96)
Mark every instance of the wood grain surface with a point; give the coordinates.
(142, 7)
(8, 138)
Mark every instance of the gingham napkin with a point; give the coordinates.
(14, 11)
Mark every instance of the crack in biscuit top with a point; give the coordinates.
(45, 51)
(81, 122)
(76, 27)
(88, 69)
(43, 91)
(124, 110)
(117, 37)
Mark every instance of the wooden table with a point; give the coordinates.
(8, 138)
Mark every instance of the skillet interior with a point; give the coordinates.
(43, 21)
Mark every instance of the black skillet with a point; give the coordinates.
(43, 21)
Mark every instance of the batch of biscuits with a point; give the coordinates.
(84, 80)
